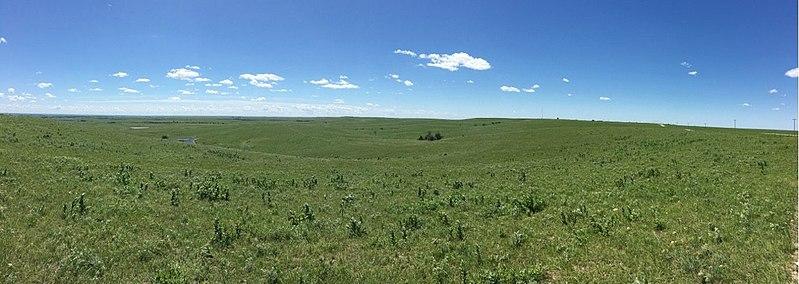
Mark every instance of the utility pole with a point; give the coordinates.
(794, 124)
(734, 123)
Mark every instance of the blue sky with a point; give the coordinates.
(624, 60)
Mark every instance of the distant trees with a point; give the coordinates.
(431, 137)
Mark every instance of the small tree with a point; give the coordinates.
(431, 137)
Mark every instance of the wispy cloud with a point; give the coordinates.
(212, 92)
(509, 89)
(185, 92)
(773, 91)
(689, 66)
(3, 40)
(396, 78)
(470, 81)
(142, 80)
(44, 85)
(49, 95)
(565, 80)
(339, 85)
(120, 74)
(263, 80)
(604, 98)
(745, 105)
(72, 90)
(793, 73)
(405, 52)
(96, 89)
(226, 82)
(128, 90)
(531, 89)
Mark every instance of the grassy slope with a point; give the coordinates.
(620, 201)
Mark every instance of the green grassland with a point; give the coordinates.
(341, 200)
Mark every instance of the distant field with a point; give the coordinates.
(346, 200)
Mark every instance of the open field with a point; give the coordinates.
(358, 199)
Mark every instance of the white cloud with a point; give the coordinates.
(11, 90)
(264, 80)
(341, 84)
(393, 76)
(793, 73)
(72, 90)
(213, 85)
(372, 105)
(175, 98)
(693, 73)
(195, 67)
(214, 92)
(3, 40)
(94, 81)
(185, 92)
(233, 87)
(338, 101)
(453, 62)
(531, 89)
(745, 105)
(319, 82)
(120, 74)
(44, 85)
(343, 77)
(95, 89)
(142, 80)
(407, 83)
(775, 109)
(604, 99)
(201, 79)
(182, 74)
(15, 98)
(227, 82)
(405, 52)
(565, 80)
(281, 90)
(569, 94)
(509, 89)
(470, 81)
(773, 91)
(49, 95)
(259, 99)
(128, 90)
